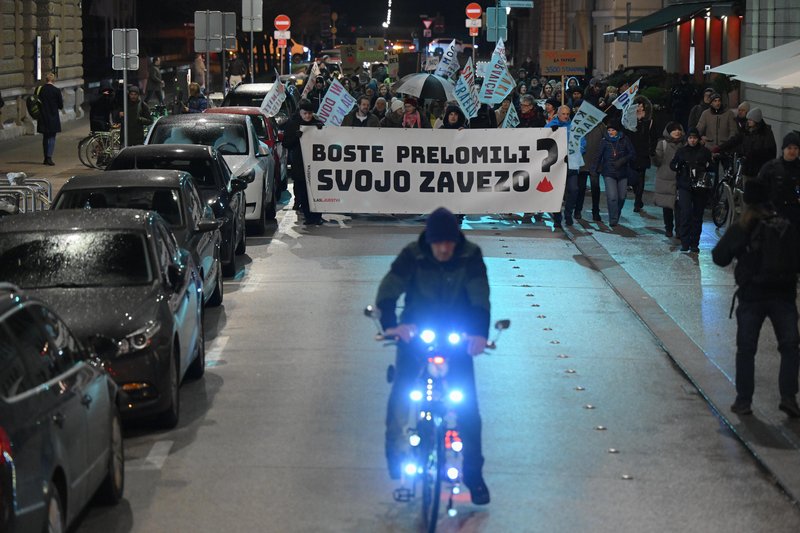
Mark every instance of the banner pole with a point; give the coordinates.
(563, 89)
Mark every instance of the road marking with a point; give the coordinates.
(214, 351)
(155, 459)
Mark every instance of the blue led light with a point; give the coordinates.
(456, 396)
(427, 336)
(454, 338)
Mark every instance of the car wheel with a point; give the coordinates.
(111, 490)
(55, 512)
(229, 268)
(216, 297)
(241, 248)
(198, 366)
(169, 418)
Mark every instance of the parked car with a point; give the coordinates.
(234, 137)
(267, 131)
(124, 287)
(252, 94)
(60, 434)
(211, 176)
(172, 195)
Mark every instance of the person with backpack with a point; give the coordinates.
(691, 165)
(762, 242)
(48, 123)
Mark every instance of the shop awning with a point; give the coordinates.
(778, 67)
(658, 21)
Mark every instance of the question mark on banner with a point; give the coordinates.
(552, 149)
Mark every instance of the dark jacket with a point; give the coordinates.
(455, 293)
(460, 123)
(594, 140)
(756, 145)
(100, 113)
(291, 141)
(138, 118)
(614, 156)
(643, 139)
(783, 179)
(532, 119)
(49, 120)
(695, 113)
(485, 119)
(392, 120)
(315, 97)
(371, 121)
(687, 158)
(197, 104)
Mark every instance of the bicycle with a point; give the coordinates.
(435, 457)
(729, 193)
(99, 147)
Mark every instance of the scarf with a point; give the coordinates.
(412, 120)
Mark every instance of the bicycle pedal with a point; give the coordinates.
(402, 494)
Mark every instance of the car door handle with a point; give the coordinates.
(59, 419)
(86, 400)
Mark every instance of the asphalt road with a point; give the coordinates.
(285, 431)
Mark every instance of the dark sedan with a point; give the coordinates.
(172, 195)
(212, 177)
(124, 287)
(60, 433)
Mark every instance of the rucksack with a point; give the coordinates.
(771, 253)
(34, 103)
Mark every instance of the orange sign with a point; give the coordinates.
(281, 43)
(562, 62)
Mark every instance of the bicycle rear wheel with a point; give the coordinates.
(432, 481)
(97, 150)
(82, 150)
(722, 204)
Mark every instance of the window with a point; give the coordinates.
(35, 347)
(259, 127)
(166, 202)
(13, 378)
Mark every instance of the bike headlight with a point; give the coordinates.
(410, 469)
(457, 446)
(452, 473)
(416, 395)
(454, 338)
(427, 336)
(456, 396)
(414, 440)
(139, 339)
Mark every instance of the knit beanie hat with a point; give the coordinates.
(133, 89)
(693, 132)
(715, 96)
(755, 115)
(791, 138)
(615, 123)
(755, 192)
(397, 105)
(442, 225)
(672, 126)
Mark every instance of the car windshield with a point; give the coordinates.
(166, 202)
(228, 138)
(235, 98)
(201, 170)
(76, 259)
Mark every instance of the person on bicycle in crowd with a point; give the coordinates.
(756, 144)
(138, 117)
(443, 276)
(697, 111)
(691, 164)
(782, 176)
(716, 125)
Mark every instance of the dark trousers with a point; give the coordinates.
(461, 375)
(691, 205)
(638, 190)
(669, 218)
(572, 191)
(750, 315)
(594, 182)
(301, 196)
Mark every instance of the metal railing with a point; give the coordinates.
(21, 194)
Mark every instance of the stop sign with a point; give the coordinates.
(282, 23)
(474, 10)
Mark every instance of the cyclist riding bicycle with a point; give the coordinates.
(443, 277)
(756, 144)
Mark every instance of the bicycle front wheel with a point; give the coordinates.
(82, 150)
(432, 481)
(722, 204)
(97, 151)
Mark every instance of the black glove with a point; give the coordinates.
(319, 126)
(299, 133)
(554, 128)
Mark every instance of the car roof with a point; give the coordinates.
(77, 219)
(186, 151)
(237, 110)
(144, 178)
(201, 118)
(255, 88)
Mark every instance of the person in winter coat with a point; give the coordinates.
(485, 119)
(412, 118)
(593, 92)
(317, 93)
(666, 185)
(756, 144)
(564, 120)
(680, 100)
(644, 143)
(197, 102)
(530, 115)
(138, 117)
(593, 139)
(550, 109)
(760, 298)
(454, 118)
(361, 115)
(741, 116)
(697, 111)
(49, 121)
(501, 112)
(717, 124)
(380, 108)
(155, 83)
(291, 141)
(782, 176)
(690, 163)
(101, 109)
(394, 116)
(614, 156)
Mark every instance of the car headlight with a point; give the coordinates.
(139, 339)
(427, 336)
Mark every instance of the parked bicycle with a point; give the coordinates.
(434, 463)
(728, 196)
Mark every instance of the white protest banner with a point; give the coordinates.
(431, 62)
(271, 103)
(310, 80)
(497, 82)
(415, 171)
(587, 117)
(336, 103)
(465, 99)
(448, 64)
(468, 72)
(499, 51)
(512, 119)
(623, 103)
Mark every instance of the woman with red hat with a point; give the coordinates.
(412, 118)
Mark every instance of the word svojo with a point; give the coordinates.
(329, 179)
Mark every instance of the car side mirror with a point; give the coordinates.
(238, 184)
(175, 275)
(248, 177)
(205, 226)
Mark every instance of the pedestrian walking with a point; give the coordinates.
(530, 115)
(782, 176)
(756, 144)
(697, 110)
(143, 74)
(156, 82)
(563, 120)
(681, 97)
(237, 70)
(717, 124)
(380, 108)
(691, 165)
(592, 151)
(291, 140)
(643, 141)
(763, 243)
(101, 109)
(394, 117)
(666, 186)
(614, 157)
(49, 121)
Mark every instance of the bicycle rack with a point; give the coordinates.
(24, 194)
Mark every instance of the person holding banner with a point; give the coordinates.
(291, 140)
(454, 118)
(616, 152)
(643, 140)
(593, 141)
(412, 118)
(361, 117)
(563, 120)
(394, 117)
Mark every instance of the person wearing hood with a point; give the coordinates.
(716, 124)
(691, 163)
(644, 143)
(138, 116)
(530, 114)
(454, 118)
(575, 100)
(291, 140)
(697, 111)
(101, 109)
(317, 93)
(782, 177)
(756, 144)
(563, 120)
(616, 152)
(665, 192)
(394, 116)
(361, 117)
(741, 116)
